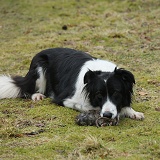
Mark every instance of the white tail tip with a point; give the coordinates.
(7, 87)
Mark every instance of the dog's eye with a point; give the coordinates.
(116, 93)
(99, 95)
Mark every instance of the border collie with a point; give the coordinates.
(76, 80)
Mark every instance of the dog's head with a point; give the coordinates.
(109, 90)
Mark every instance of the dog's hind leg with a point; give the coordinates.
(40, 85)
(37, 96)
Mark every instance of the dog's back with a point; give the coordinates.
(50, 73)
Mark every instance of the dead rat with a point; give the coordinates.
(93, 118)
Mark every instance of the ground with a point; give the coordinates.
(126, 32)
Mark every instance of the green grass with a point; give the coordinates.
(125, 32)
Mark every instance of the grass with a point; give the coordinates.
(125, 32)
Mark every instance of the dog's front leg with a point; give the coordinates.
(131, 113)
(77, 106)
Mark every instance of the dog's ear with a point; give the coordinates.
(125, 75)
(128, 80)
(89, 76)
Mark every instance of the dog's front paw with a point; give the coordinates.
(37, 96)
(137, 116)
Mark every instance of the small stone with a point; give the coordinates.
(64, 27)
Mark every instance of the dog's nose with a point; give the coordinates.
(107, 114)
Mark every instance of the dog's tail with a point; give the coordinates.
(14, 87)
(24, 87)
(8, 87)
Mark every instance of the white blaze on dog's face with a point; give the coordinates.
(109, 109)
